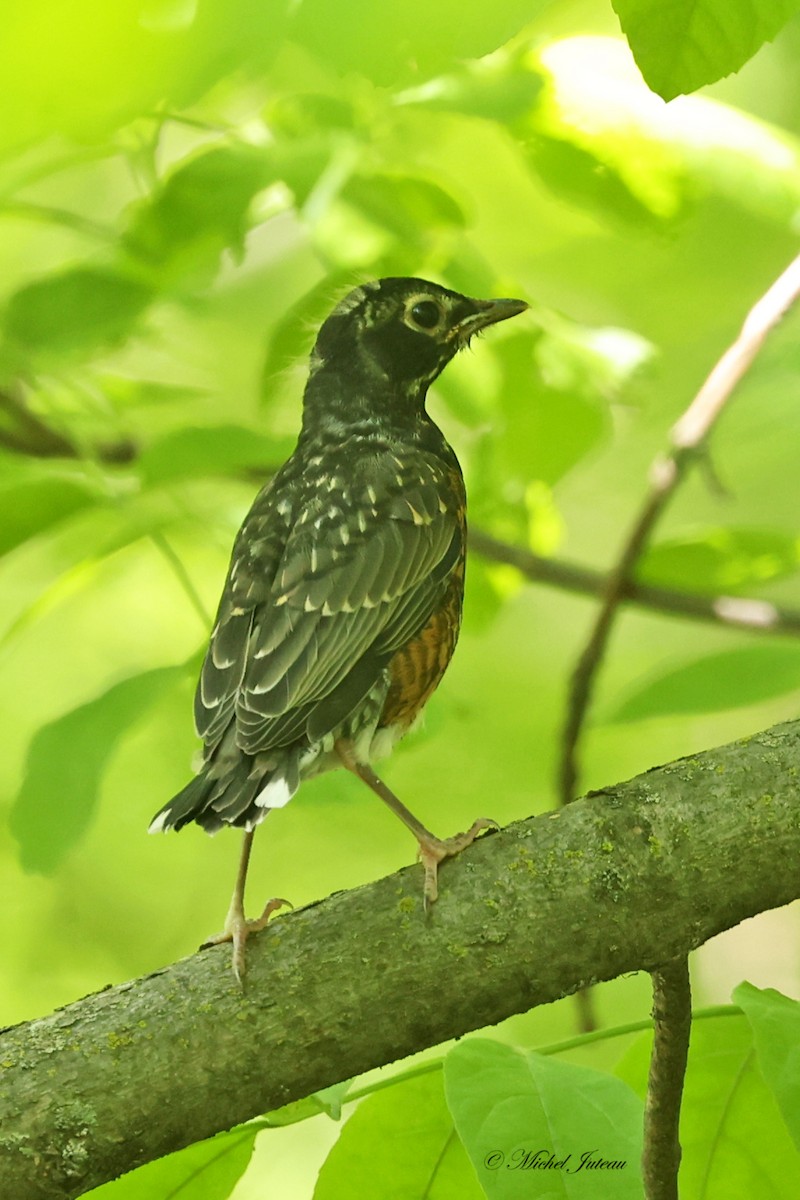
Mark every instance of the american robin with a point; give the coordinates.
(342, 604)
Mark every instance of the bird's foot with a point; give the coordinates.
(434, 850)
(237, 930)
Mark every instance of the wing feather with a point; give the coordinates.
(318, 598)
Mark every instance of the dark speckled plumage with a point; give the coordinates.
(343, 599)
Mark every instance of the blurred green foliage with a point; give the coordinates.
(186, 188)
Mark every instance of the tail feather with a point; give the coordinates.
(239, 792)
(183, 807)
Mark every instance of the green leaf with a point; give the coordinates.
(403, 40)
(681, 45)
(76, 549)
(546, 429)
(400, 1142)
(65, 765)
(134, 393)
(79, 71)
(731, 679)
(489, 587)
(775, 1021)
(721, 560)
(503, 87)
(514, 1109)
(208, 1170)
(200, 210)
(304, 114)
(591, 130)
(211, 450)
(667, 159)
(735, 1145)
(545, 523)
(34, 500)
(404, 204)
(379, 217)
(78, 311)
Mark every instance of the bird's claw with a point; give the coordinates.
(433, 850)
(237, 930)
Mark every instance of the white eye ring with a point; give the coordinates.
(424, 314)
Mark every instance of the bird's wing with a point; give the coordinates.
(318, 600)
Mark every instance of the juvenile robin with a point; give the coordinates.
(342, 604)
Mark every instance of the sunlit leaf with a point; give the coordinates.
(721, 560)
(211, 450)
(133, 393)
(775, 1021)
(206, 1171)
(505, 87)
(373, 217)
(513, 1108)
(684, 44)
(716, 682)
(78, 311)
(594, 362)
(301, 163)
(545, 523)
(734, 1144)
(83, 69)
(546, 430)
(590, 128)
(305, 113)
(611, 142)
(403, 204)
(65, 765)
(402, 40)
(199, 211)
(400, 1142)
(574, 129)
(489, 587)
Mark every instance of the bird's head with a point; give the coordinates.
(402, 332)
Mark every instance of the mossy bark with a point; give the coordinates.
(625, 879)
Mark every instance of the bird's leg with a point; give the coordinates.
(237, 928)
(432, 850)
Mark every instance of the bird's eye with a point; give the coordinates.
(426, 314)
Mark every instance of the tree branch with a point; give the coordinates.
(739, 612)
(687, 437)
(623, 880)
(672, 1021)
(28, 434)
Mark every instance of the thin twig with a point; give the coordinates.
(32, 436)
(672, 1022)
(687, 437)
(58, 216)
(757, 616)
(183, 577)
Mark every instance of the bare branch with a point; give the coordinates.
(740, 612)
(672, 1021)
(688, 435)
(29, 434)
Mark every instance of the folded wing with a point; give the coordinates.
(319, 598)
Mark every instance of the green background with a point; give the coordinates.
(185, 191)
